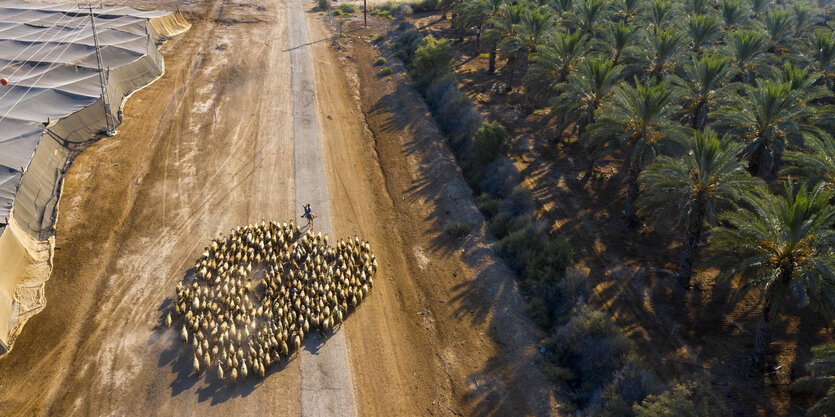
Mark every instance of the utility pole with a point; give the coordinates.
(107, 120)
(365, 14)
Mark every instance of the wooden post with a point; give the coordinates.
(365, 13)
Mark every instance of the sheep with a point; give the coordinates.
(307, 285)
(196, 365)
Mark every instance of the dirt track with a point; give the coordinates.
(211, 146)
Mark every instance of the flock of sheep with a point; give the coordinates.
(241, 325)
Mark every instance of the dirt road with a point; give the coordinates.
(228, 136)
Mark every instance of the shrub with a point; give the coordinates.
(487, 205)
(547, 264)
(458, 230)
(489, 142)
(385, 72)
(348, 8)
(452, 109)
(573, 289)
(379, 38)
(426, 6)
(538, 309)
(500, 226)
(520, 201)
(433, 59)
(380, 61)
(692, 399)
(337, 12)
(517, 245)
(323, 5)
(500, 177)
(405, 45)
(590, 348)
(630, 385)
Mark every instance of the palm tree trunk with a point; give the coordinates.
(761, 340)
(697, 121)
(478, 41)
(632, 189)
(691, 241)
(491, 68)
(755, 160)
(511, 63)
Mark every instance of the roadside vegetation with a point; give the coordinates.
(720, 114)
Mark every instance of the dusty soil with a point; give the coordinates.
(208, 147)
(680, 333)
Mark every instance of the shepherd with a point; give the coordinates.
(308, 214)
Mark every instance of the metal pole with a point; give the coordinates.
(99, 62)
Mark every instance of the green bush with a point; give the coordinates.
(380, 61)
(347, 8)
(487, 205)
(323, 5)
(453, 110)
(458, 230)
(385, 72)
(692, 399)
(547, 264)
(426, 6)
(433, 59)
(405, 45)
(590, 348)
(500, 226)
(538, 309)
(379, 38)
(489, 142)
(520, 201)
(630, 385)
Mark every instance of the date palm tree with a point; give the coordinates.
(694, 188)
(554, 61)
(472, 14)
(664, 48)
(706, 84)
(815, 164)
(820, 50)
(588, 13)
(702, 28)
(628, 9)
(781, 246)
(504, 27)
(734, 12)
(821, 381)
(747, 47)
(640, 120)
(766, 118)
(536, 27)
(778, 26)
(660, 15)
(582, 94)
(618, 41)
(532, 30)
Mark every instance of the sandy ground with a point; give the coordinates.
(212, 145)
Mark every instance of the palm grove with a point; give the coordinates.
(722, 111)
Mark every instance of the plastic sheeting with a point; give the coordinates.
(47, 54)
(50, 111)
